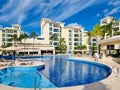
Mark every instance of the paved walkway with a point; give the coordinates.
(110, 83)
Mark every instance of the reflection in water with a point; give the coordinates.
(68, 73)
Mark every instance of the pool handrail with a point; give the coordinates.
(37, 73)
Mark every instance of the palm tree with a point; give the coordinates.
(97, 33)
(89, 35)
(20, 38)
(108, 28)
(33, 35)
(81, 47)
(14, 38)
(62, 45)
(53, 37)
(117, 32)
(23, 36)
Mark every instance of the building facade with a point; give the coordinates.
(110, 46)
(108, 19)
(74, 36)
(7, 32)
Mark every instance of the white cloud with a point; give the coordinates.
(70, 8)
(106, 10)
(35, 24)
(17, 11)
(115, 8)
(74, 25)
(112, 11)
(114, 3)
(1, 26)
(98, 14)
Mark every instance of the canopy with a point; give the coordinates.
(111, 39)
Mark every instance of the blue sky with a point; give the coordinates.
(28, 13)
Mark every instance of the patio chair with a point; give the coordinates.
(20, 61)
(4, 62)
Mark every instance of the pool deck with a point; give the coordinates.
(110, 83)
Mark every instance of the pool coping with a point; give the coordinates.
(109, 83)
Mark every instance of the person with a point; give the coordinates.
(96, 56)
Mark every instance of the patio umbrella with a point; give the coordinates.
(12, 49)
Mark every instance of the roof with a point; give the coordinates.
(106, 17)
(111, 39)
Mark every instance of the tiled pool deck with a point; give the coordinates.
(110, 83)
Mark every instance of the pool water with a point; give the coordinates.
(58, 72)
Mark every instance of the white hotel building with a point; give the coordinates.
(108, 19)
(7, 32)
(73, 36)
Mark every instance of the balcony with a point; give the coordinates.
(56, 30)
(56, 25)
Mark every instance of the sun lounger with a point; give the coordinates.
(20, 61)
(4, 60)
(7, 63)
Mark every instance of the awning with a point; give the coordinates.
(47, 48)
(111, 39)
(12, 48)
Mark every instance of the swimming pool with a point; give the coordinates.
(58, 72)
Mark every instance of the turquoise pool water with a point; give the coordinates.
(58, 72)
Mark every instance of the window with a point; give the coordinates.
(76, 35)
(94, 44)
(70, 47)
(94, 39)
(70, 43)
(50, 33)
(9, 31)
(56, 25)
(76, 44)
(70, 39)
(8, 35)
(70, 52)
(56, 34)
(56, 39)
(50, 43)
(3, 39)
(3, 35)
(76, 39)
(80, 39)
(55, 43)
(56, 30)
(3, 31)
(70, 35)
(9, 40)
(70, 30)
(41, 38)
(110, 47)
(15, 31)
(50, 24)
(80, 35)
(50, 28)
(76, 31)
